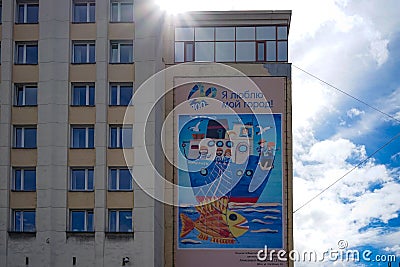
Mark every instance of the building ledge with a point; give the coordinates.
(18, 234)
(120, 235)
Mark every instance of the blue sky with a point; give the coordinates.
(353, 45)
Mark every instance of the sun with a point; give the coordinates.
(174, 7)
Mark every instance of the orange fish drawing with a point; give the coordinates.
(216, 222)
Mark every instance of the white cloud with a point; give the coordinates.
(354, 112)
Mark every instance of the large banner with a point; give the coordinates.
(230, 157)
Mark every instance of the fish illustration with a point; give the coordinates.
(216, 222)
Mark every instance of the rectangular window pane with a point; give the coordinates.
(21, 9)
(126, 12)
(204, 51)
(29, 180)
(20, 52)
(266, 33)
(245, 33)
(260, 51)
(90, 178)
(126, 53)
(79, 95)
(189, 52)
(112, 219)
(18, 180)
(18, 221)
(126, 95)
(32, 13)
(282, 33)
(245, 51)
(225, 34)
(184, 34)
(80, 14)
(271, 51)
(126, 137)
(29, 221)
(79, 53)
(30, 138)
(113, 137)
(18, 137)
(31, 54)
(204, 34)
(78, 137)
(91, 138)
(114, 53)
(92, 53)
(92, 12)
(282, 51)
(20, 96)
(125, 179)
(125, 221)
(78, 221)
(179, 52)
(90, 223)
(112, 181)
(114, 95)
(30, 95)
(225, 51)
(114, 12)
(78, 179)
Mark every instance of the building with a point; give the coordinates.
(68, 71)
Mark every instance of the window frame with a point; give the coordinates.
(117, 220)
(119, 43)
(86, 220)
(23, 127)
(22, 169)
(88, 4)
(87, 95)
(24, 56)
(86, 169)
(25, 4)
(119, 19)
(88, 44)
(22, 224)
(87, 128)
(17, 86)
(117, 182)
(118, 85)
(119, 136)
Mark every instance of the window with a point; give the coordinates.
(81, 221)
(83, 52)
(82, 179)
(120, 221)
(26, 53)
(120, 137)
(121, 52)
(24, 221)
(121, 11)
(120, 94)
(28, 12)
(231, 44)
(82, 137)
(24, 137)
(83, 94)
(24, 179)
(84, 11)
(120, 179)
(25, 95)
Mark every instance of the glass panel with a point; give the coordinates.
(18, 180)
(271, 51)
(91, 95)
(282, 51)
(79, 95)
(282, 33)
(32, 13)
(92, 12)
(184, 34)
(126, 53)
(260, 51)
(17, 221)
(204, 51)
(20, 96)
(245, 33)
(126, 95)
(21, 9)
(89, 226)
(245, 51)
(92, 53)
(29, 180)
(114, 12)
(225, 52)
(31, 54)
(30, 96)
(125, 221)
(204, 34)
(125, 179)
(78, 179)
(29, 221)
(91, 138)
(126, 137)
(112, 181)
(112, 219)
(90, 177)
(80, 12)
(77, 221)
(20, 52)
(30, 138)
(126, 12)
(18, 137)
(266, 33)
(78, 137)
(179, 52)
(113, 137)
(189, 52)
(114, 95)
(114, 53)
(225, 34)
(80, 53)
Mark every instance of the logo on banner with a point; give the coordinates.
(200, 93)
